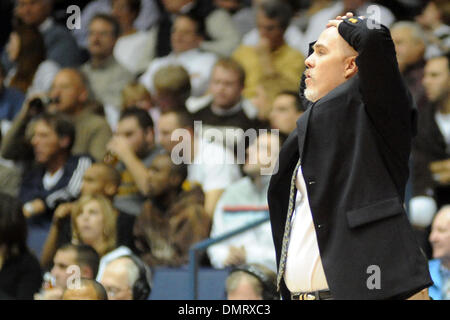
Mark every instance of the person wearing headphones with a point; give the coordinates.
(126, 278)
(251, 282)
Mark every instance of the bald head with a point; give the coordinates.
(332, 63)
(119, 277)
(440, 234)
(69, 91)
(87, 290)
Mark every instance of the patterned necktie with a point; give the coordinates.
(287, 227)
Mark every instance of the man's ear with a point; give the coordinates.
(350, 67)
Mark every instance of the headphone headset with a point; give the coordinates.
(142, 286)
(269, 286)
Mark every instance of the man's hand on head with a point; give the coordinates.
(335, 22)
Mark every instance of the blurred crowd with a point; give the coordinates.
(138, 128)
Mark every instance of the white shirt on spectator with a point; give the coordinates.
(197, 63)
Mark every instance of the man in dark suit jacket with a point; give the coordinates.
(352, 147)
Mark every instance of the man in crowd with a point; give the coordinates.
(134, 146)
(126, 278)
(70, 261)
(69, 95)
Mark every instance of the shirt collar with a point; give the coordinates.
(225, 112)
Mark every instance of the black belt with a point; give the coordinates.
(313, 295)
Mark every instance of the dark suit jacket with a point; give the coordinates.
(354, 146)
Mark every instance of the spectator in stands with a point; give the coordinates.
(243, 203)
(431, 152)
(60, 45)
(101, 179)
(434, 18)
(409, 41)
(287, 108)
(223, 36)
(11, 100)
(69, 94)
(440, 266)
(293, 36)
(172, 88)
(209, 164)
(88, 289)
(127, 278)
(173, 218)
(57, 174)
(106, 76)
(20, 273)
(251, 282)
(69, 262)
(94, 222)
(147, 17)
(133, 48)
(227, 109)
(271, 65)
(32, 72)
(186, 36)
(134, 146)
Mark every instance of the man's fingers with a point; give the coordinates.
(333, 23)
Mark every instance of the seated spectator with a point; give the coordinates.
(88, 289)
(133, 48)
(251, 282)
(70, 260)
(127, 278)
(434, 20)
(134, 146)
(94, 222)
(60, 45)
(227, 109)
(147, 17)
(287, 108)
(440, 265)
(31, 72)
(272, 65)
(409, 40)
(173, 218)
(56, 176)
(69, 95)
(10, 176)
(172, 88)
(186, 36)
(243, 203)
(223, 36)
(100, 179)
(209, 164)
(431, 147)
(11, 100)
(106, 76)
(293, 36)
(20, 273)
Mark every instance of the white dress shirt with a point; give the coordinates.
(304, 271)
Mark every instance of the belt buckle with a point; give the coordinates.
(306, 296)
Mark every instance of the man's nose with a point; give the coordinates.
(309, 62)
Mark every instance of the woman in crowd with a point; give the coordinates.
(94, 222)
(20, 273)
(31, 73)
